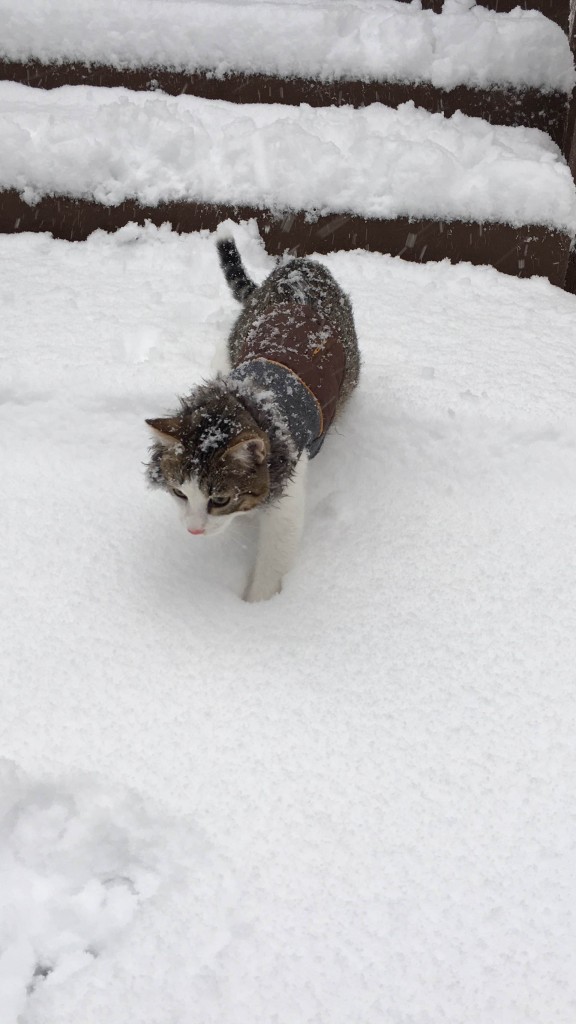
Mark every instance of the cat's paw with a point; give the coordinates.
(261, 591)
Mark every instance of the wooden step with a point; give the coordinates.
(556, 10)
(519, 251)
(522, 249)
(32, 55)
(529, 107)
(78, 160)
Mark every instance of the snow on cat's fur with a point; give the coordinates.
(241, 443)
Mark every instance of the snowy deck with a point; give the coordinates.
(353, 804)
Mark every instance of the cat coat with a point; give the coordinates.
(242, 441)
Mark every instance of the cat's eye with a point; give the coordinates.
(219, 500)
(179, 494)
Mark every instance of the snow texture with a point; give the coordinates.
(326, 40)
(113, 144)
(80, 863)
(356, 802)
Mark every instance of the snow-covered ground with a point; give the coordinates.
(113, 144)
(326, 39)
(354, 804)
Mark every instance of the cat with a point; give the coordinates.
(242, 441)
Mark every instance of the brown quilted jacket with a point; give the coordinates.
(296, 337)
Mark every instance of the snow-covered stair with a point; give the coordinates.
(513, 68)
(153, 157)
(407, 181)
(112, 144)
(324, 40)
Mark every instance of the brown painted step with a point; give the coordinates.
(556, 10)
(507, 106)
(522, 252)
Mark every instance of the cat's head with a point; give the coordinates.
(213, 459)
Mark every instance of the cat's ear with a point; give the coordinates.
(168, 430)
(249, 452)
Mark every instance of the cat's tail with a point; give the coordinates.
(236, 277)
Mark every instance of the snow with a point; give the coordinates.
(112, 144)
(327, 40)
(78, 862)
(354, 803)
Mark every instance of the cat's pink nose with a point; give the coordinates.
(195, 532)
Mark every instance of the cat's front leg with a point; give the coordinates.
(220, 362)
(280, 532)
